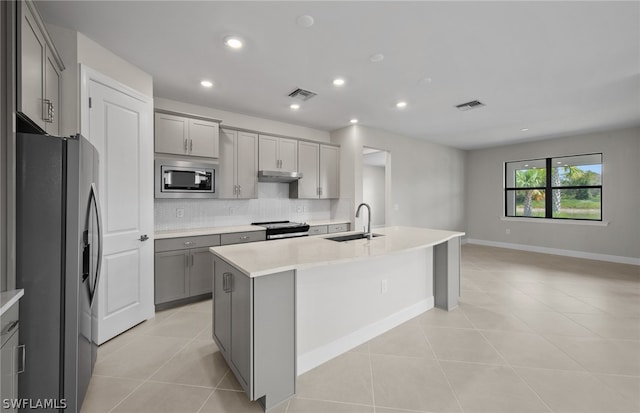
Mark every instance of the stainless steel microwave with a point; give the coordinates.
(185, 179)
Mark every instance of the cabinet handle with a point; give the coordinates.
(187, 243)
(22, 348)
(10, 327)
(320, 191)
(190, 145)
(192, 260)
(244, 237)
(239, 189)
(226, 282)
(47, 110)
(185, 145)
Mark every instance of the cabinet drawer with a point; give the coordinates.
(9, 323)
(318, 230)
(338, 228)
(242, 237)
(183, 243)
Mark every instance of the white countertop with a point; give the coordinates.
(9, 298)
(193, 232)
(262, 258)
(328, 222)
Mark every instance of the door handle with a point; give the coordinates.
(143, 237)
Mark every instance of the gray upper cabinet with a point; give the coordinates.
(182, 135)
(329, 172)
(320, 167)
(39, 67)
(238, 164)
(309, 164)
(278, 154)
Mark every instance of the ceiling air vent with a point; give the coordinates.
(302, 94)
(470, 105)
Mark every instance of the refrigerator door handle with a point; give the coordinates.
(96, 204)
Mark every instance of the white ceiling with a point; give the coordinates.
(556, 68)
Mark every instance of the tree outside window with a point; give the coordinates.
(567, 187)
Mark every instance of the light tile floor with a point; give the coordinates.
(533, 333)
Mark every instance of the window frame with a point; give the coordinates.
(549, 188)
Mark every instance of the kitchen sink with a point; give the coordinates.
(351, 237)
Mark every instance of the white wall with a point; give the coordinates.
(620, 196)
(426, 185)
(373, 192)
(238, 120)
(75, 48)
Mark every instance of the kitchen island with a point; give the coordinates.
(284, 307)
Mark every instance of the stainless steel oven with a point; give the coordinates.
(185, 179)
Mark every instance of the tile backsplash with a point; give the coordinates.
(273, 204)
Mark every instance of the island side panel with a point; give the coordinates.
(446, 278)
(274, 337)
(340, 306)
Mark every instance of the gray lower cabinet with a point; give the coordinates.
(344, 227)
(317, 230)
(254, 328)
(9, 358)
(329, 229)
(446, 274)
(183, 268)
(242, 237)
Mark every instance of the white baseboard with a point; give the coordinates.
(555, 251)
(325, 353)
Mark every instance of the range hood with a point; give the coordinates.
(278, 176)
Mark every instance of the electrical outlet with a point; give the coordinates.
(508, 231)
(383, 287)
(179, 212)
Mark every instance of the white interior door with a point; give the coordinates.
(118, 123)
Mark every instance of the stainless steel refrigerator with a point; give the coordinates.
(58, 257)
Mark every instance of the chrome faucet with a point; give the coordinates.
(368, 233)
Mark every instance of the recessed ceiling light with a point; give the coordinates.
(559, 163)
(425, 81)
(375, 58)
(526, 166)
(294, 106)
(524, 129)
(305, 21)
(233, 42)
(338, 81)
(354, 120)
(206, 83)
(401, 105)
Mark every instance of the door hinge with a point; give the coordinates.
(90, 103)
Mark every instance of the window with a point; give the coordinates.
(568, 187)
